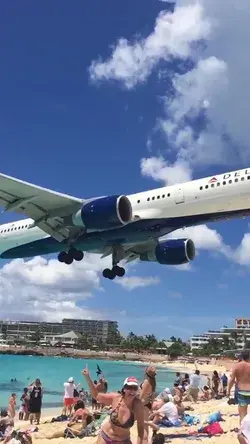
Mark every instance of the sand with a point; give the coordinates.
(203, 409)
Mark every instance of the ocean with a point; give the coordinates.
(54, 371)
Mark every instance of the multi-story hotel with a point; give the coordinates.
(24, 330)
(240, 334)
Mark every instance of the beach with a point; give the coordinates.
(166, 370)
(202, 409)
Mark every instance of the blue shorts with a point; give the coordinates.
(244, 398)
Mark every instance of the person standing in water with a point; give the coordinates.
(35, 402)
(126, 409)
(147, 395)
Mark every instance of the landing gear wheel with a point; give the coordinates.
(69, 259)
(108, 274)
(62, 256)
(78, 255)
(119, 271)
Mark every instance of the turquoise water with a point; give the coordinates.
(53, 372)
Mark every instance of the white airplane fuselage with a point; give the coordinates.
(159, 211)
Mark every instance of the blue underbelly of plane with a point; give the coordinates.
(136, 232)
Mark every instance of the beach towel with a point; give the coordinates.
(212, 429)
(214, 417)
(191, 420)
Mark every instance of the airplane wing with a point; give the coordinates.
(46, 207)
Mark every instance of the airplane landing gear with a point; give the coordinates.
(68, 257)
(117, 256)
(115, 271)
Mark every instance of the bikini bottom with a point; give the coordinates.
(109, 440)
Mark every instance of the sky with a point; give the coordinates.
(100, 98)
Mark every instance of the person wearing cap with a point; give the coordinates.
(68, 399)
(147, 394)
(126, 408)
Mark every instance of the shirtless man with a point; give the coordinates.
(241, 376)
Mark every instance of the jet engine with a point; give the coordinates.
(104, 213)
(171, 252)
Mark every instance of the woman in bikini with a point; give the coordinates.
(126, 409)
(147, 395)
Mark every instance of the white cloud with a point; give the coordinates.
(160, 169)
(47, 289)
(132, 63)
(132, 282)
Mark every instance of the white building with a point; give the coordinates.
(238, 335)
(198, 341)
(66, 339)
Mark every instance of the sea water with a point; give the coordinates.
(54, 371)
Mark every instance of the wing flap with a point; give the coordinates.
(44, 206)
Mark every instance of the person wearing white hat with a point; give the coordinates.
(68, 400)
(126, 409)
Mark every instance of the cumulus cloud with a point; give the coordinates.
(160, 170)
(46, 289)
(132, 63)
(133, 282)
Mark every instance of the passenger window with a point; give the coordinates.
(242, 178)
(158, 197)
(218, 184)
(230, 181)
(168, 194)
(153, 198)
(138, 201)
(236, 180)
(148, 199)
(163, 196)
(248, 177)
(201, 188)
(206, 187)
(212, 185)
(224, 183)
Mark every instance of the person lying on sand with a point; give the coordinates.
(74, 426)
(126, 409)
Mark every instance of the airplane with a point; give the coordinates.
(124, 227)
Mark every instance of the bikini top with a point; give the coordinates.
(114, 418)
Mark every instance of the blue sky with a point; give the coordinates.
(80, 109)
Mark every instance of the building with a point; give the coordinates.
(96, 330)
(64, 340)
(242, 323)
(25, 330)
(103, 331)
(239, 335)
(198, 341)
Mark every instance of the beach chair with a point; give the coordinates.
(91, 429)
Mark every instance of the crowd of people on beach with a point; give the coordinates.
(86, 410)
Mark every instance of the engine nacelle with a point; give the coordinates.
(171, 252)
(104, 213)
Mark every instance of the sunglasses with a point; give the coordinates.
(131, 387)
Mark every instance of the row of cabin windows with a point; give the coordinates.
(15, 228)
(212, 185)
(156, 197)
